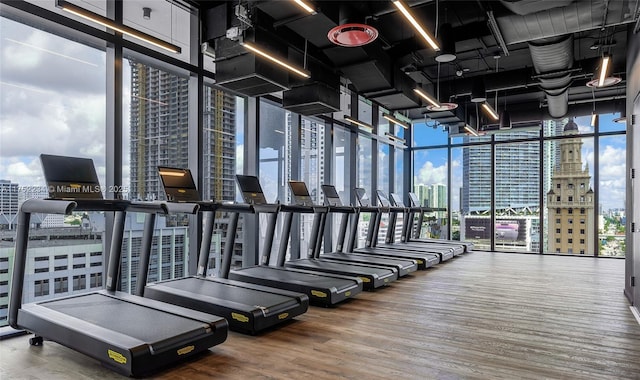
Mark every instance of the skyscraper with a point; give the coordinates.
(570, 200)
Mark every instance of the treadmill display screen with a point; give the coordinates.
(331, 196)
(414, 199)
(300, 193)
(178, 184)
(362, 197)
(384, 201)
(70, 177)
(251, 189)
(397, 201)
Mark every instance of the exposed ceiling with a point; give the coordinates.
(554, 47)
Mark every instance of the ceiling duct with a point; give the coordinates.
(551, 56)
(313, 97)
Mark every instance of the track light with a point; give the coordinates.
(622, 118)
(427, 97)
(490, 111)
(94, 17)
(305, 6)
(303, 73)
(603, 70)
(405, 12)
(358, 122)
(396, 121)
(471, 130)
(394, 137)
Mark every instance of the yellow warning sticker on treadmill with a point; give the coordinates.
(283, 316)
(420, 262)
(186, 350)
(318, 293)
(239, 317)
(347, 294)
(365, 279)
(117, 357)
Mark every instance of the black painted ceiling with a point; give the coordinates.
(386, 70)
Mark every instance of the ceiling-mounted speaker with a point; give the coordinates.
(352, 31)
(447, 39)
(478, 92)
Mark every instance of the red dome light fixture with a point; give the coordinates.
(352, 35)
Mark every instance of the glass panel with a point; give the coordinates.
(275, 161)
(457, 233)
(220, 156)
(342, 178)
(312, 172)
(429, 135)
(398, 184)
(364, 145)
(365, 111)
(569, 205)
(475, 225)
(517, 173)
(430, 185)
(383, 124)
(612, 215)
(607, 124)
(155, 133)
(383, 167)
(556, 127)
(61, 114)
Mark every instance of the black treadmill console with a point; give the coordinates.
(382, 197)
(397, 200)
(413, 197)
(331, 196)
(70, 177)
(251, 190)
(178, 184)
(301, 196)
(362, 197)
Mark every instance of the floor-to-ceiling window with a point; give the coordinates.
(497, 181)
(61, 114)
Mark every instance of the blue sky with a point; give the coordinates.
(430, 166)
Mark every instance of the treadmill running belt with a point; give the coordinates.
(143, 323)
(243, 295)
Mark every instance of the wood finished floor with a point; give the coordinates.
(479, 316)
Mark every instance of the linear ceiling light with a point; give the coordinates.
(394, 137)
(396, 121)
(357, 122)
(305, 6)
(603, 70)
(490, 111)
(405, 12)
(94, 17)
(471, 130)
(427, 97)
(172, 173)
(497, 34)
(278, 61)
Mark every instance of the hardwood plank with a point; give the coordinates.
(481, 315)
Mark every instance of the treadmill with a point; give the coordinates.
(332, 201)
(416, 208)
(322, 289)
(444, 252)
(247, 307)
(424, 259)
(131, 335)
(373, 276)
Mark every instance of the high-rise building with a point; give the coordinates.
(159, 136)
(570, 200)
(8, 204)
